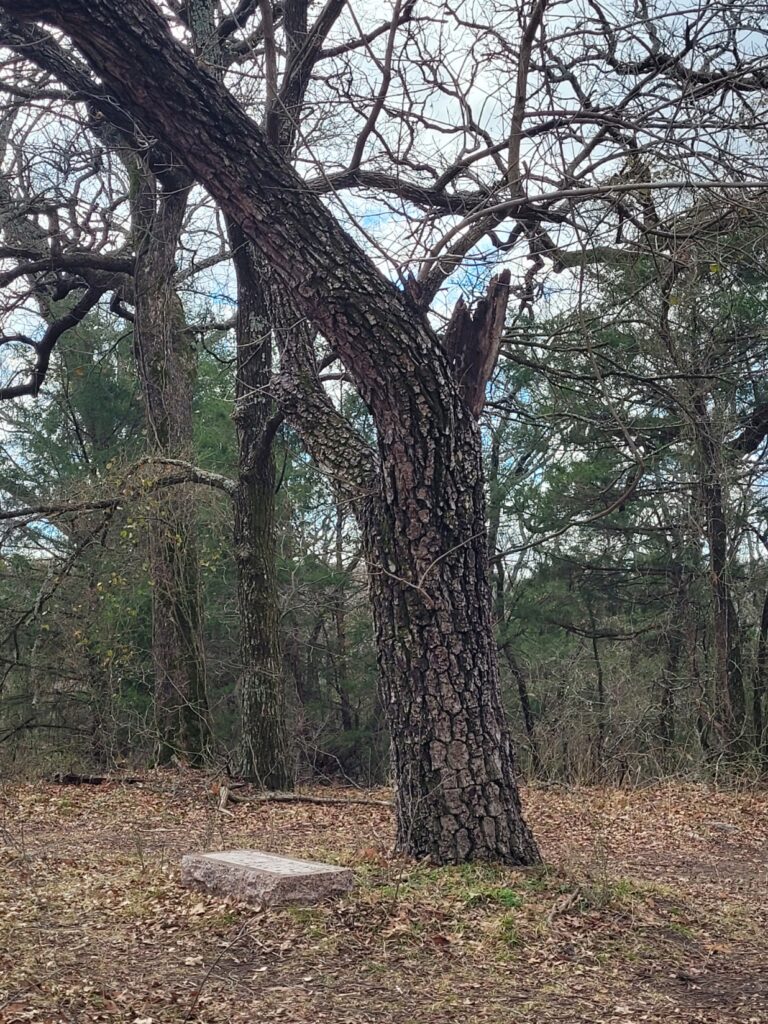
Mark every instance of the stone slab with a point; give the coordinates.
(264, 877)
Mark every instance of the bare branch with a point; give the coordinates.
(47, 343)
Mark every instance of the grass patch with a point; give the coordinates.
(509, 931)
(498, 895)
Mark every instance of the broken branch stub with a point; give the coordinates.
(472, 340)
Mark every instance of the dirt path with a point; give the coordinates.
(653, 908)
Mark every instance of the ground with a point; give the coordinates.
(651, 907)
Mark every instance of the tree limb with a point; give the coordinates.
(46, 345)
(71, 261)
(191, 475)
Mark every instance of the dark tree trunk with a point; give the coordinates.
(422, 512)
(599, 702)
(494, 522)
(760, 686)
(730, 700)
(264, 754)
(340, 652)
(424, 535)
(166, 366)
(529, 721)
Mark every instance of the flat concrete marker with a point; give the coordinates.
(264, 877)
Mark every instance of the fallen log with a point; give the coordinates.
(78, 779)
(300, 798)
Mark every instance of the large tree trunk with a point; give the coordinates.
(166, 367)
(423, 508)
(264, 754)
(456, 794)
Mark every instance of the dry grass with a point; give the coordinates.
(652, 909)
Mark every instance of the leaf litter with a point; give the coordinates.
(650, 908)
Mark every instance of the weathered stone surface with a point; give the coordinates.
(265, 877)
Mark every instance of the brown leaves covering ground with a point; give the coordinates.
(652, 908)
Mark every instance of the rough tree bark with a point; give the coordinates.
(426, 538)
(166, 365)
(264, 753)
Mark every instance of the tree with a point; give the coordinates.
(56, 630)
(145, 273)
(649, 398)
(422, 508)
(158, 193)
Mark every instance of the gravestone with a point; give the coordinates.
(264, 877)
